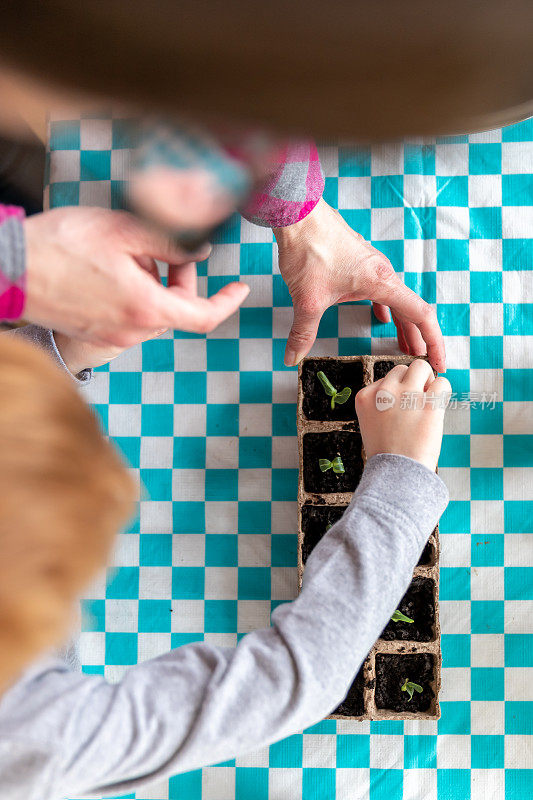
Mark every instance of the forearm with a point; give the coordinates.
(201, 704)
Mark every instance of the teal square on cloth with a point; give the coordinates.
(287, 753)
(64, 135)
(317, 783)
(154, 616)
(420, 223)
(420, 752)
(254, 583)
(255, 387)
(221, 550)
(354, 160)
(452, 190)
(120, 648)
(220, 616)
(95, 165)
(222, 419)
(155, 549)
(453, 784)
(222, 355)
(353, 751)
(255, 323)
(386, 784)
(485, 159)
(188, 583)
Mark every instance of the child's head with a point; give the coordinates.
(64, 493)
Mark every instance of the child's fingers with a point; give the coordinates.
(440, 386)
(418, 375)
(395, 375)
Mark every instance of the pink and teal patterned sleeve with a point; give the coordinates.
(293, 181)
(12, 262)
(292, 189)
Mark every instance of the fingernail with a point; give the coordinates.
(291, 358)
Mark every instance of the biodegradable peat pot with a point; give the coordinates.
(405, 652)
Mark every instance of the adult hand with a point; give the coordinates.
(91, 274)
(323, 261)
(79, 354)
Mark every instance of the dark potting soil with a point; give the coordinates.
(353, 704)
(330, 445)
(391, 673)
(418, 603)
(316, 403)
(428, 556)
(381, 368)
(316, 521)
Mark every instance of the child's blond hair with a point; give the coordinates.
(64, 493)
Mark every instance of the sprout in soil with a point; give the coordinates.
(411, 688)
(336, 396)
(399, 617)
(336, 465)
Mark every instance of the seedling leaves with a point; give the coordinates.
(411, 688)
(336, 397)
(343, 396)
(328, 387)
(336, 465)
(399, 617)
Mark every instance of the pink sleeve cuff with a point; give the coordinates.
(291, 191)
(12, 262)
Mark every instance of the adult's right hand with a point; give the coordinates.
(91, 274)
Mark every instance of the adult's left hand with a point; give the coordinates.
(323, 261)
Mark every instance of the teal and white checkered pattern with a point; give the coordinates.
(208, 424)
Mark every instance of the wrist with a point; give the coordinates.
(78, 355)
(289, 235)
(69, 352)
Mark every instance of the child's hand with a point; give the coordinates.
(403, 413)
(79, 355)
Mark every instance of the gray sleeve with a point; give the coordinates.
(200, 704)
(44, 338)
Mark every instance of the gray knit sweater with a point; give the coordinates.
(65, 734)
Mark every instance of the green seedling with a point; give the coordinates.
(411, 688)
(336, 465)
(336, 397)
(399, 617)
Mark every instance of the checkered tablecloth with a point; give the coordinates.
(208, 425)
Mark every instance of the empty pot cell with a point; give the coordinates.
(353, 704)
(316, 521)
(396, 671)
(330, 446)
(418, 603)
(428, 555)
(381, 368)
(341, 375)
